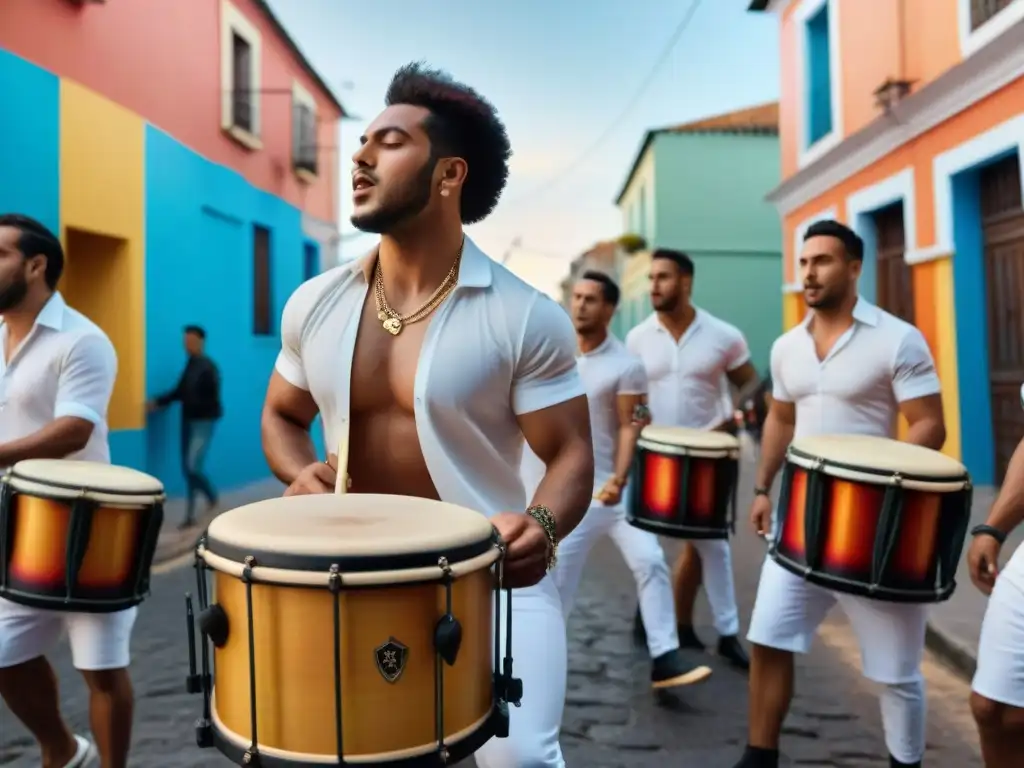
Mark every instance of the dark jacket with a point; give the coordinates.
(198, 391)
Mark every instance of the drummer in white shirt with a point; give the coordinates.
(616, 384)
(849, 368)
(56, 377)
(689, 355)
(997, 699)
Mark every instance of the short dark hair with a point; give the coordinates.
(680, 259)
(196, 330)
(36, 240)
(609, 290)
(462, 123)
(852, 242)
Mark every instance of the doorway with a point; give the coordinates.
(895, 283)
(1002, 219)
(97, 283)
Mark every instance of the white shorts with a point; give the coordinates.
(788, 611)
(1000, 672)
(98, 640)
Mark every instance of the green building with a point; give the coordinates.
(700, 188)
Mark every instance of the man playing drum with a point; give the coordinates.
(998, 696)
(689, 354)
(58, 372)
(848, 368)
(616, 384)
(436, 362)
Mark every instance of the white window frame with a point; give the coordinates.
(233, 22)
(972, 41)
(798, 241)
(303, 98)
(807, 153)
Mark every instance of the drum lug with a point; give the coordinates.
(448, 638)
(213, 622)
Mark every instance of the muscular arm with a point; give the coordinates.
(777, 435)
(927, 426)
(1008, 510)
(743, 378)
(629, 432)
(916, 387)
(288, 412)
(59, 438)
(560, 437)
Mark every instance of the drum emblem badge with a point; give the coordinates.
(391, 657)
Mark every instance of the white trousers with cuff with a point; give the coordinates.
(787, 613)
(644, 557)
(539, 660)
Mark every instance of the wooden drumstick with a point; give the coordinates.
(341, 484)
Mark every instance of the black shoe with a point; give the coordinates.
(731, 649)
(688, 638)
(639, 630)
(670, 671)
(894, 763)
(755, 757)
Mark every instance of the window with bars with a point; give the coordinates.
(983, 10)
(304, 144)
(262, 298)
(242, 80)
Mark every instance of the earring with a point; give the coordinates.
(444, 192)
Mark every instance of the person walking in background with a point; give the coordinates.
(198, 391)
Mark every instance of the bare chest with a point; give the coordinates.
(384, 365)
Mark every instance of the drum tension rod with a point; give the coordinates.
(510, 688)
(447, 640)
(202, 681)
(252, 755)
(334, 584)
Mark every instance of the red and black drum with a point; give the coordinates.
(683, 483)
(873, 517)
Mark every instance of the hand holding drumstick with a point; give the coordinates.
(319, 477)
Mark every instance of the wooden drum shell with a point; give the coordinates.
(384, 722)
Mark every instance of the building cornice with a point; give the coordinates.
(990, 69)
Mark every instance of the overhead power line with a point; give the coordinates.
(586, 154)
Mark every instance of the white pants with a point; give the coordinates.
(787, 613)
(643, 556)
(539, 660)
(98, 640)
(716, 574)
(1000, 672)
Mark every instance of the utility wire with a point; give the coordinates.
(581, 158)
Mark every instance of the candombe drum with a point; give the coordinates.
(873, 517)
(683, 483)
(351, 630)
(77, 536)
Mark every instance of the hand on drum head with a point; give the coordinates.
(983, 560)
(528, 549)
(761, 515)
(315, 478)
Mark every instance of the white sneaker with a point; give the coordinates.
(84, 755)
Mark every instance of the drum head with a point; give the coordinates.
(878, 454)
(683, 437)
(356, 532)
(104, 483)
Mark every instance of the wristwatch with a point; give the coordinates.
(760, 490)
(543, 515)
(989, 530)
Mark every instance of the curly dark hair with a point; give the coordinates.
(462, 123)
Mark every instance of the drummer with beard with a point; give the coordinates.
(435, 363)
(848, 368)
(691, 357)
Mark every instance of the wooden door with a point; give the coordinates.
(1003, 224)
(895, 289)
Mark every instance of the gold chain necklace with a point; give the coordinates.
(393, 322)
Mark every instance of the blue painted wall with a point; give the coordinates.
(970, 298)
(199, 269)
(29, 141)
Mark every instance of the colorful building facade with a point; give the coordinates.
(905, 119)
(188, 158)
(700, 187)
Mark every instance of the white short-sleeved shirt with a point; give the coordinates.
(687, 379)
(66, 366)
(880, 362)
(496, 349)
(607, 371)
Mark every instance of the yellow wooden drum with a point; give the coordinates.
(77, 535)
(351, 630)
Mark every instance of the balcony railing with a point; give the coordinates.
(983, 10)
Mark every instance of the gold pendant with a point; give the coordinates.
(382, 315)
(393, 325)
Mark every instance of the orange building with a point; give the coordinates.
(187, 153)
(905, 119)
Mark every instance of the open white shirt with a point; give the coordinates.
(687, 378)
(66, 366)
(607, 371)
(880, 362)
(496, 349)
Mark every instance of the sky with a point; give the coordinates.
(560, 73)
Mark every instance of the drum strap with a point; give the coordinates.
(147, 550)
(888, 532)
(78, 541)
(812, 518)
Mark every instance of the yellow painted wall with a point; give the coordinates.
(102, 192)
(945, 333)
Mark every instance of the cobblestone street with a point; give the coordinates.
(611, 720)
